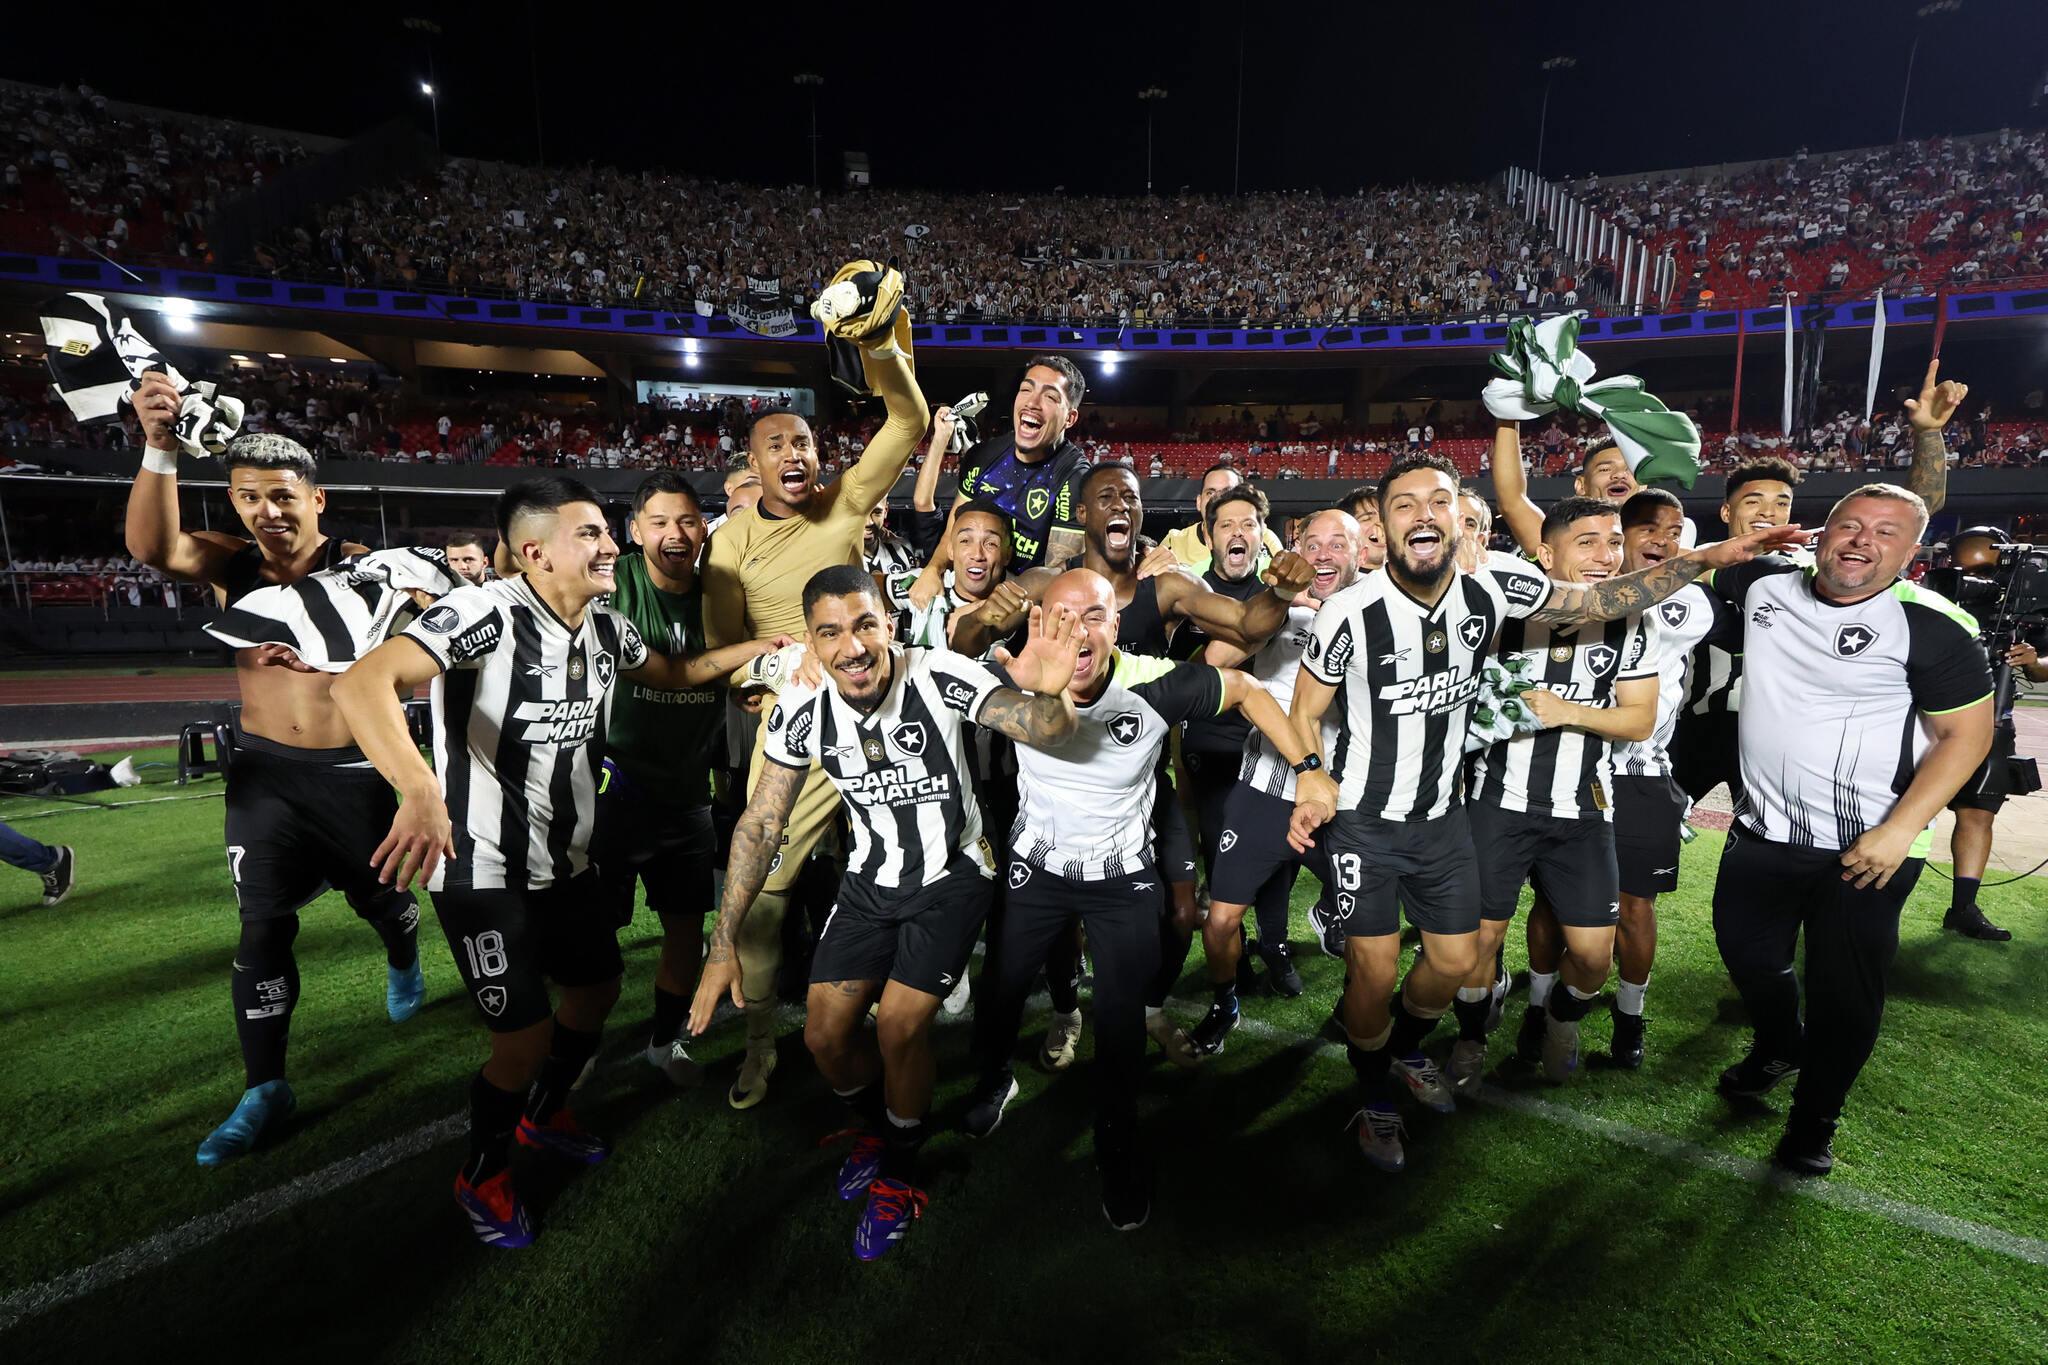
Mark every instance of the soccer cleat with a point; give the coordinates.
(563, 1136)
(261, 1108)
(1560, 1049)
(892, 1207)
(1627, 1048)
(404, 990)
(1468, 1059)
(1281, 973)
(1754, 1076)
(1062, 1039)
(495, 1214)
(674, 1061)
(1425, 1082)
(751, 1087)
(1215, 1027)
(985, 1114)
(1970, 923)
(63, 875)
(1806, 1149)
(1126, 1190)
(1172, 1040)
(1329, 929)
(956, 999)
(1497, 999)
(1380, 1131)
(1529, 1039)
(863, 1165)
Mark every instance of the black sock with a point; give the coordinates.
(1565, 1006)
(670, 1009)
(399, 928)
(1409, 1028)
(1964, 898)
(1226, 993)
(866, 1104)
(900, 1144)
(1372, 1071)
(1063, 973)
(1472, 1018)
(493, 1113)
(265, 988)
(568, 1052)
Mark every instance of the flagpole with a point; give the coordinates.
(1741, 336)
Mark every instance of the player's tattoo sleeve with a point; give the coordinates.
(1064, 547)
(1929, 475)
(1572, 604)
(1038, 719)
(755, 840)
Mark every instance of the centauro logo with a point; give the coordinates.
(1432, 694)
(896, 787)
(559, 722)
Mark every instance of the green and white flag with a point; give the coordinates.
(1543, 371)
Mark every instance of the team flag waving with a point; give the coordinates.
(1543, 371)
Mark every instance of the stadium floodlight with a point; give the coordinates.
(178, 314)
(425, 88)
(1109, 363)
(275, 355)
(1151, 97)
(434, 100)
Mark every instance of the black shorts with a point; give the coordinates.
(920, 938)
(1991, 784)
(1381, 866)
(1647, 812)
(1252, 847)
(509, 944)
(1707, 751)
(1175, 849)
(1570, 861)
(302, 820)
(641, 838)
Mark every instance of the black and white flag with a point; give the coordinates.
(334, 617)
(96, 359)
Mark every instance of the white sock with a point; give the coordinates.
(1578, 994)
(898, 1121)
(1628, 997)
(1472, 995)
(1539, 988)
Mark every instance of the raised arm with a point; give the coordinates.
(673, 672)
(152, 529)
(1511, 487)
(1575, 604)
(1001, 612)
(1928, 414)
(924, 497)
(755, 840)
(1247, 624)
(881, 464)
(725, 603)
(368, 696)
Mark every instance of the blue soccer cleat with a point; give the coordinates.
(563, 1136)
(892, 1207)
(405, 988)
(495, 1214)
(862, 1165)
(261, 1108)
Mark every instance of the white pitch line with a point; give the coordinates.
(193, 1234)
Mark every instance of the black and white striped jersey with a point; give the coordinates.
(1715, 682)
(1086, 810)
(1564, 772)
(1276, 666)
(1684, 620)
(1832, 721)
(902, 768)
(989, 754)
(1409, 673)
(519, 722)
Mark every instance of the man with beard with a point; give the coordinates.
(1406, 646)
(1868, 705)
(1604, 473)
(754, 578)
(654, 800)
(1085, 847)
(1190, 547)
(1148, 608)
(882, 550)
(466, 556)
(304, 807)
(1252, 862)
(1475, 528)
(1363, 503)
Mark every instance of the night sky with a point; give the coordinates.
(1028, 98)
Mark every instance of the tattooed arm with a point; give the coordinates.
(755, 841)
(1933, 410)
(1572, 604)
(1043, 720)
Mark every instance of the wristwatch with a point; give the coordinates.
(1308, 765)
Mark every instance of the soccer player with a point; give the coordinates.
(1475, 527)
(1541, 804)
(304, 808)
(882, 550)
(1252, 862)
(1868, 704)
(654, 798)
(466, 556)
(522, 671)
(754, 577)
(55, 865)
(1406, 646)
(980, 536)
(888, 731)
(1363, 503)
(1190, 546)
(1084, 846)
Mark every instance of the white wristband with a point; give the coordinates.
(160, 461)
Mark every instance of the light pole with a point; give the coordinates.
(1151, 97)
(811, 80)
(1551, 67)
(1920, 17)
(434, 99)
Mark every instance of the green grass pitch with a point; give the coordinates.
(1516, 1233)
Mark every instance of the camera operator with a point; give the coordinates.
(1997, 583)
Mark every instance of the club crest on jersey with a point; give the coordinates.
(491, 999)
(1020, 873)
(1560, 652)
(605, 667)
(1124, 728)
(1674, 613)
(1036, 502)
(872, 748)
(1853, 639)
(1227, 842)
(1600, 658)
(1435, 642)
(1346, 903)
(440, 620)
(1472, 632)
(576, 669)
(909, 737)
